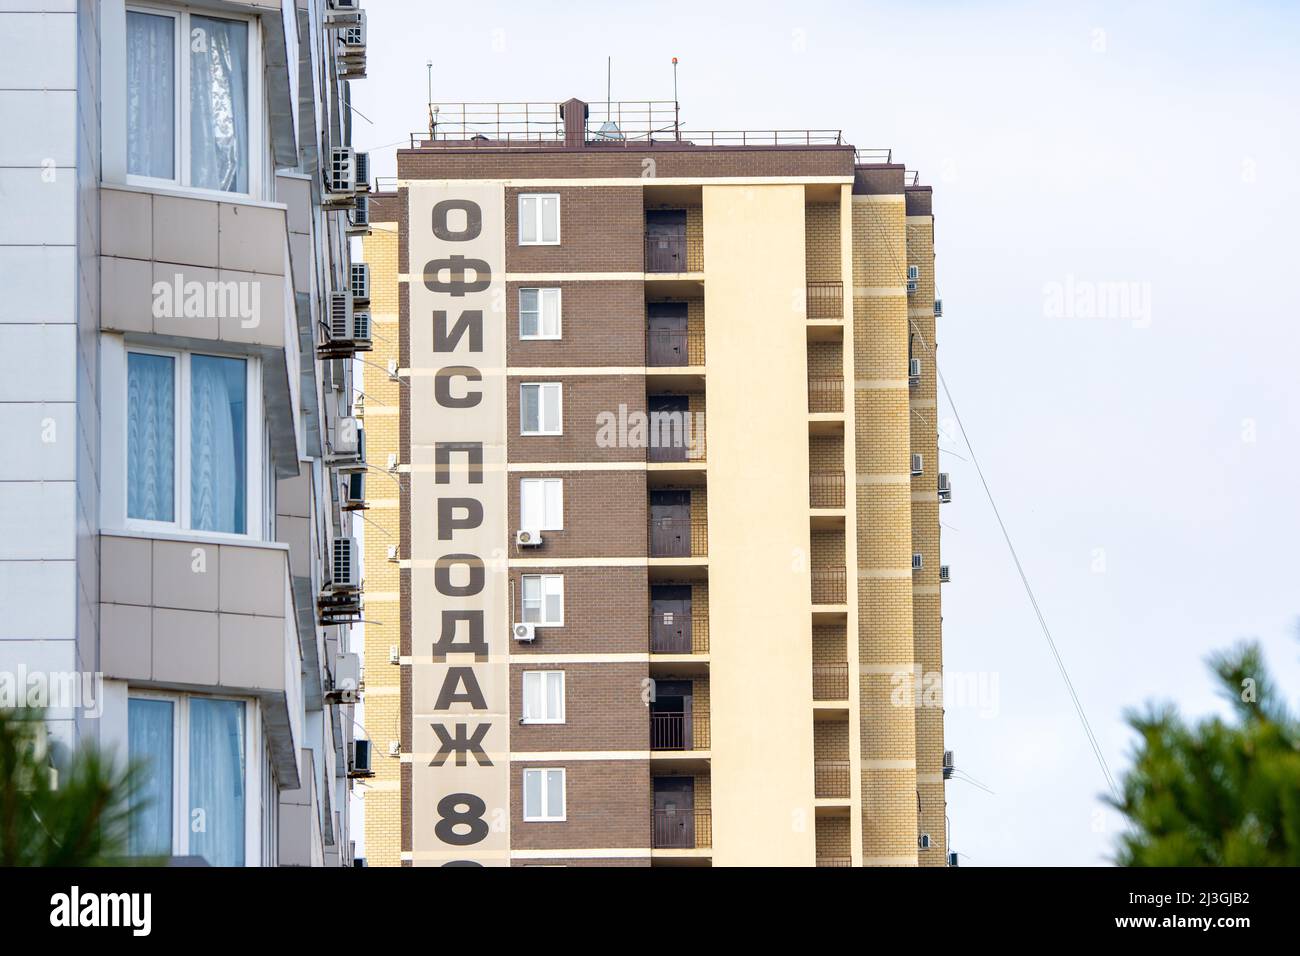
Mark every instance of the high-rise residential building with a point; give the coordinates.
(660, 559)
(176, 343)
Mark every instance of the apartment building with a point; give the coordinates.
(661, 559)
(176, 343)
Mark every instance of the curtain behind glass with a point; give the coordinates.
(151, 437)
(150, 95)
(217, 781)
(219, 104)
(149, 732)
(218, 443)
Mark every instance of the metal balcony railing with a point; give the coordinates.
(831, 681)
(684, 829)
(677, 730)
(825, 300)
(825, 394)
(670, 537)
(826, 489)
(674, 254)
(834, 861)
(673, 349)
(829, 586)
(831, 779)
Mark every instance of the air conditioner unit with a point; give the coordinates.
(345, 6)
(345, 566)
(945, 487)
(952, 858)
(341, 175)
(359, 217)
(528, 538)
(392, 461)
(340, 317)
(917, 464)
(354, 491)
(363, 172)
(347, 436)
(394, 654)
(924, 841)
(347, 678)
(949, 764)
(523, 632)
(943, 574)
(359, 282)
(917, 560)
(353, 462)
(938, 308)
(914, 371)
(353, 35)
(361, 331)
(361, 766)
(913, 278)
(394, 748)
(392, 552)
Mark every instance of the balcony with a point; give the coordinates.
(672, 348)
(826, 489)
(674, 255)
(825, 395)
(678, 730)
(825, 300)
(834, 861)
(829, 586)
(678, 523)
(831, 779)
(831, 681)
(690, 828)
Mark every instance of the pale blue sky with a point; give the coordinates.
(1150, 143)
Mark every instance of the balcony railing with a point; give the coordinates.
(693, 641)
(825, 394)
(834, 861)
(831, 778)
(670, 537)
(673, 349)
(829, 586)
(826, 489)
(676, 730)
(673, 254)
(825, 300)
(687, 829)
(831, 681)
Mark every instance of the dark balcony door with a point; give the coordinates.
(671, 715)
(674, 812)
(670, 524)
(666, 325)
(670, 619)
(669, 423)
(665, 240)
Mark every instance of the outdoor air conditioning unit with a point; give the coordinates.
(914, 371)
(363, 172)
(347, 436)
(392, 552)
(913, 278)
(345, 566)
(352, 35)
(917, 464)
(341, 175)
(354, 461)
(354, 491)
(528, 538)
(938, 308)
(359, 282)
(394, 654)
(917, 560)
(347, 679)
(945, 487)
(952, 858)
(361, 331)
(340, 317)
(924, 842)
(943, 574)
(359, 217)
(524, 632)
(949, 764)
(346, 6)
(361, 759)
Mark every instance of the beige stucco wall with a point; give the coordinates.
(759, 591)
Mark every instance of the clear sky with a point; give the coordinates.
(1143, 453)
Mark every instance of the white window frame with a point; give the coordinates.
(180, 768)
(253, 453)
(542, 679)
(550, 522)
(544, 580)
(181, 85)
(543, 293)
(541, 407)
(546, 816)
(537, 198)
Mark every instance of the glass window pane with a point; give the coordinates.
(528, 408)
(532, 513)
(219, 104)
(554, 490)
(532, 793)
(550, 219)
(149, 730)
(528, 312)
(550, 307)
(551, 408)
(532, 695)
(151, 437)
(217, 781)
(555, 793)
(554, 598)
(527, 219)
(555, 695)
(218, 443)
(150, 95)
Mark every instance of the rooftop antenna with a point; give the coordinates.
(428, 66)
(609, 129)
(677, 107)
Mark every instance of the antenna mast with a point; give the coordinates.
(677, 107)
(428, 66)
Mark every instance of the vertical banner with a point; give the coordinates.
(460, 694)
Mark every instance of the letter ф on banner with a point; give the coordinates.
(460, 731)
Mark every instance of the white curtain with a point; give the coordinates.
(218, 443)
(218, 781)
(219, 104)
(150, 95)
(149, 731)
(151, 437)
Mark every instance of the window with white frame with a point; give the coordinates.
(539, 313)
(543, 599)
(192, 93)
(544, 795)
(189, 454)
(539, 219)
(539, 409)
(543, 697)
(541, 504)
(194, 796)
